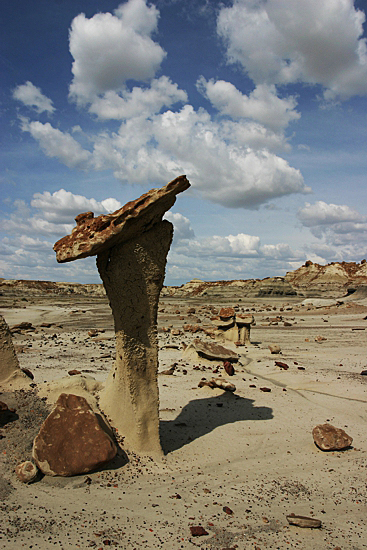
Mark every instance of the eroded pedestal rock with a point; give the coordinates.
(10, 371)
(131, 247)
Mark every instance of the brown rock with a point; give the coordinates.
(282, 365)
(214, 351)
(198, 531)
(329, 438)
(3, 407)
(93, 332)
(74, 372)
(91, 236)
(265, 389)
(71, 440)
(227, 312)
(227, 510)
(22, 326)
(303, 521)
(228, 367)
(26, 471)
(28, 373)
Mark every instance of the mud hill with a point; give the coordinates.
(335, 280)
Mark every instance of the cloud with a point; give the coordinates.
(341, 230)
(262, 104)
(62, 206)
(118, 106)
(31, 96)
(56, 143)
(110, 49)
(321, 213)
(219, 165)
(182, 226)
(301, 41)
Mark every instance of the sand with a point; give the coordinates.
(251, 451)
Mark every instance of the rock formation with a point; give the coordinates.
(10, 372)
(233, 327)
(131, 247)
(71, 440)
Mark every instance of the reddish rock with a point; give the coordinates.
(282, 365)
(265, 389)
(198, 531)
(227, 510)
(71, 440)
(74, 372)
(26, 471)
(91, 236)
(228, 367)
(329, 438)
(227, 312)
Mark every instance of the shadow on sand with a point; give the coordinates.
(201, 416)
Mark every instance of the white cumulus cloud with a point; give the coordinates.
(110, 49)
(262, 104)
(56, 143)
(321, 213)
(161, 93)
(288, 41)
(31, 96)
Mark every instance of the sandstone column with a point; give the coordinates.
(133, 275)
(131, 246)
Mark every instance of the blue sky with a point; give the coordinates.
(261, 103)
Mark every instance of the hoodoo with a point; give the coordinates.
(131, 246)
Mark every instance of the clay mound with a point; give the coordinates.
(359, 294)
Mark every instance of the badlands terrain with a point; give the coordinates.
(235, 463)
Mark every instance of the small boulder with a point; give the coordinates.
(26, 472)
(329, 438)
(74, 372)
(303, 521)
(227, 312)
(228, 367)
(71, 440)
(274, 348)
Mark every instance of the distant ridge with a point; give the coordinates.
(336, 279)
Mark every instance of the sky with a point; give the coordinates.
(262, 104)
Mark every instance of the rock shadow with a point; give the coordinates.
(201, 416)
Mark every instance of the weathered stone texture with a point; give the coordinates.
(71, 440)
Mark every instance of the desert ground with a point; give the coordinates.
(234, 463)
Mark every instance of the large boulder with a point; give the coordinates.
(71, 440)
(329, 438)
(11, 375)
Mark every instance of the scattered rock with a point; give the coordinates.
(329, 438)
(227, 510)
(228, 367)
(198, 531)
(26, 471)
(71, 440)
(28, 373)
(218, 383)
(213, 351)
(169, 371)
(303, 521)
(93, 332)
(74, 372)
(282, 365)
(320, 339)
(22, 326)
(264, 389)
(274, 348)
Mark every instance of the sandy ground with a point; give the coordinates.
(251, 451)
